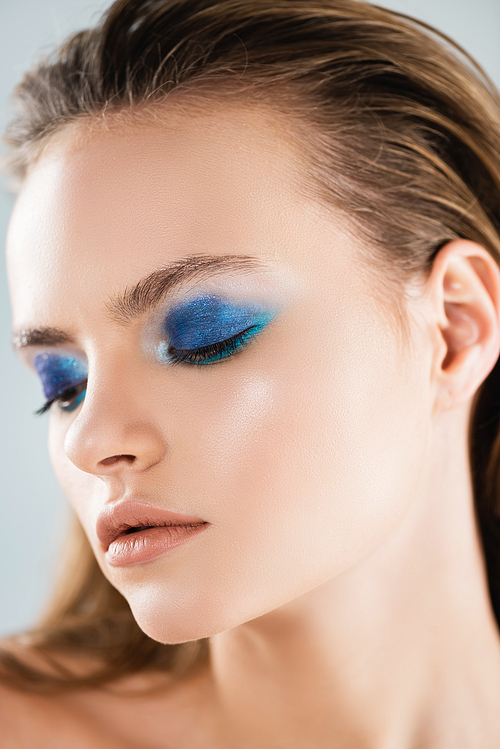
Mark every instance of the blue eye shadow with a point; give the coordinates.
(209, 319)
(58, 373)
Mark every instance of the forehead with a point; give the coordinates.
(104, 206)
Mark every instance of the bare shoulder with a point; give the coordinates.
(25, 719)
(36, 718)
(14, 709)
(139, 712)
(77, 719)
(20, 711)
(31, 719)
(46, 721)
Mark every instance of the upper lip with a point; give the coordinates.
(115, 520)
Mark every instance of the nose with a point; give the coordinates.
(116, 430)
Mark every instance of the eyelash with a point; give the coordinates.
(204, 355)
(74, 393)
(213, 352)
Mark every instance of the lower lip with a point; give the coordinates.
(143, 546)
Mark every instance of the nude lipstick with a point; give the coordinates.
(132, 532)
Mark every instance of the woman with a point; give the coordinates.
(254, 263)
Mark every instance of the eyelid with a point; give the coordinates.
(208, 319)
(80, 395)
(271, 298)
(34, 352)
(209, 328)
(214, 353)
(59, 372)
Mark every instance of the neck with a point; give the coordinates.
(400, 651)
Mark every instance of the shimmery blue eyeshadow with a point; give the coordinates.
(58, 373)
(209, 319)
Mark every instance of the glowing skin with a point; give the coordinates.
(341, 551)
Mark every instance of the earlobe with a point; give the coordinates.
(465, 283)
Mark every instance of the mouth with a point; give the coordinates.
(138, 529)
(118, 522)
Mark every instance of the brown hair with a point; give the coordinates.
(402, 132)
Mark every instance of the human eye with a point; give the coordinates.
(208, 329)
(64, 381)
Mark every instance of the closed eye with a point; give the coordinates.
(68, 399)
(214, 352)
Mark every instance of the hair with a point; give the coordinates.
(401, 129)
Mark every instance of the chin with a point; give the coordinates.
(175, 629)
(173, 618)
(172, 622)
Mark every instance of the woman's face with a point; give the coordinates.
(298, 443)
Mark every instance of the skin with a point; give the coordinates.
(340, 580)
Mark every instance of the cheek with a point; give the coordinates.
(303, 468)
(76, 485)
(230, 435)
(312, 459)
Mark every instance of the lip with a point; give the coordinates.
(161, 530)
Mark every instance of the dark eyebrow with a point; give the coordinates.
(40, 337)
(147, 293)
(152, 289)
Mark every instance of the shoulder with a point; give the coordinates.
(138, 711)
(116, 716)
(44, 721)
(27, 720)
(30, 718)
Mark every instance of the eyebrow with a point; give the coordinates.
(147, 293)
(40, 337)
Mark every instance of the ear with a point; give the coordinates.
(464, 287)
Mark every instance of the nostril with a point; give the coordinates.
(117, 458)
